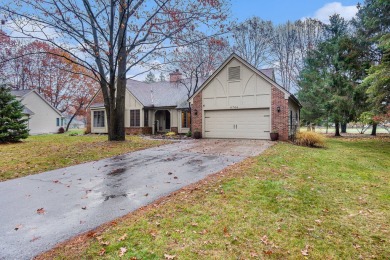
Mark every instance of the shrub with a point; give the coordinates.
(170, 134)
(310, 139)
(61, 130)
(189, 134)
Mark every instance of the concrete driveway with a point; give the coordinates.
(41, 210)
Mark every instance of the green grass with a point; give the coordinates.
(47, 152)
(330, 203)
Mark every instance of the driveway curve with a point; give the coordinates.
(41, 210)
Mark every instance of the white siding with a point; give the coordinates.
(132, 103)
(44, 119)
(252, 91)
(99, 130)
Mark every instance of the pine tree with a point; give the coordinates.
(162, 77)
(150, 78)
(12, 125)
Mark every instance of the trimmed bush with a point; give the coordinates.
(61, 130)
(310, 139)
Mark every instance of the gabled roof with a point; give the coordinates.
(267, 74)
(161, 94)
(23, 93)
(27, 111)
(20, 93)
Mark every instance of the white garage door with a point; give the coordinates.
(240, 123)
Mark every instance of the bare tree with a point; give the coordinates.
(111, 37)
(199, 60)
(252, 41)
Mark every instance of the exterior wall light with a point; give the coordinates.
(196, 112)
(278, 109)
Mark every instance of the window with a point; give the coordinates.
(234, 73)
(146, 117)
(135, 117)
(291, 119)
(62, 122)
(185, 119)
(98, 118)
(58, 121)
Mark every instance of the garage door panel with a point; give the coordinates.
(240, 123)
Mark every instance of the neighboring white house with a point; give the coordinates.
(43, 118)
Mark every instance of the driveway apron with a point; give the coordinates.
(41, 210)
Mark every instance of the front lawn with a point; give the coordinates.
(290, 202)
(47, 152)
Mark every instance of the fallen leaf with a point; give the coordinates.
(34, 239)
(267, 252)
(122, 251)
(169, 257)
(84, 208)
(169, 173)
(18, 227)
(122, 237)
(175, 177)
(194, 224)
(147, 194)
(102, 251)
(264, 240)
(104, 243)
(41, 211)
(356, 246)
(253, 254)
(305, 251)
(318, 221)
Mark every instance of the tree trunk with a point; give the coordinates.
(70, 121)
(337, 127)
(344, 128)
(117, 105)
(373, 132)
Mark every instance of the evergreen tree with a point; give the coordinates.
(12, 125)
(331, 76)
(162, 77)
(150, 77)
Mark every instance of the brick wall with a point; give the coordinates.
(196, 118)
(138, 130)
(279, 119)
(175, 129)
(98, 99)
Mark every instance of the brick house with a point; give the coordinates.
(237, 101)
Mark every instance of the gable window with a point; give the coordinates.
(135, 117)
(185, 119)
(57, 121)
(234, 73)
(98, 118)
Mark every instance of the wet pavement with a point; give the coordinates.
(41, 210)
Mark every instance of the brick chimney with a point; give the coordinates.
(175, 76)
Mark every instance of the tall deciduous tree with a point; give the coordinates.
(252, 41)
(109, 38)
(199, 60)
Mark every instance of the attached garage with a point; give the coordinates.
(240, 101)
(240, 123)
